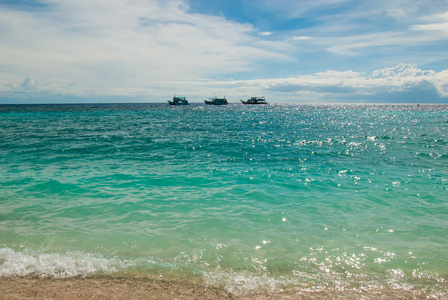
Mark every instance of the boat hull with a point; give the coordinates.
(253, 103)
(212, 103)
(216, 101)
(177, 103)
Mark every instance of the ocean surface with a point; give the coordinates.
(269, 198)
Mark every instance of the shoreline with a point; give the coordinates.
(110, 287)
(105, 287)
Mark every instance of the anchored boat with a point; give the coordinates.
(178, 101)
(216, 101)
(255, 100)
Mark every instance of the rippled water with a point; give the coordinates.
(300, 197)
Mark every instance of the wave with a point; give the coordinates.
(55, 265)
(309, 277)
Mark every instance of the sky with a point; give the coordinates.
(290, 51)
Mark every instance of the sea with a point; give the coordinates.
(304, 198)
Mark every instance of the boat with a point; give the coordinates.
(255, 100)
(216, 101)
(178, 101)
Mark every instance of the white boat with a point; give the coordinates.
(255, 100)
(216, 101)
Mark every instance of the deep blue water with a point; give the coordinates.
(301, 197)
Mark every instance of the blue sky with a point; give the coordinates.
(313, 51)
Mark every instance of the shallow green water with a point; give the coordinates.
(304, 197)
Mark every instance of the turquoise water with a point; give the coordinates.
(280, 197)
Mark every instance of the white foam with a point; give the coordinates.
(56, 265)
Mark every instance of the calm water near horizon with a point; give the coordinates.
(295, 197)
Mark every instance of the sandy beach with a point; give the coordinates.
(144, 288)
(104, 288)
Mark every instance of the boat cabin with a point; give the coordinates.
(216, 101)
(255, 100)
(178, 101)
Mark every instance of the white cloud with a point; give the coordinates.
(381, 85)
(301, 38)
(153, 48)
(436, 22)
(403, 82)
(440, 81)
(296, 9)
(353, 28)
(28, 83)
(403, 77)
(107, 47)
(403, 71)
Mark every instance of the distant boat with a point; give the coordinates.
(178, 101)
(255, 100)
(216, 101)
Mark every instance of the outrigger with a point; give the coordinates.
(216, 101)
(255, 100)
(178, 101)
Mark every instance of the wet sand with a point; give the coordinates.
(125, 288)
(104, 288)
